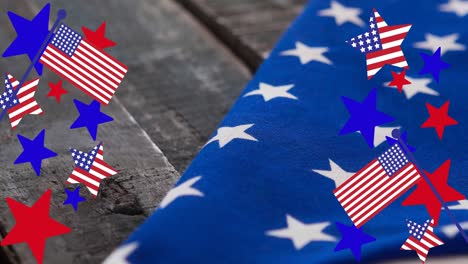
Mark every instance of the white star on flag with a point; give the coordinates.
(447, 43)
(451, 231)
(418, 85)
(269, 92)
(307, 54)
(302, 234)
(227, 134)
(343, 14)
(120, 255)
(336, 173)
(183, 189)
(381, 134)
(459, 7)
(462, 205)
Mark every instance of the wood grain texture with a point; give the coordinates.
(249, 28)
(181, 81)
(180, 84)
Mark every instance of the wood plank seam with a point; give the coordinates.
(8, 254)
(211, 72)
(132, 119)
(129, 203)
(244, 52)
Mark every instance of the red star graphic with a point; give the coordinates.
(56, 90)
(424, 194)
(439, 118)
(98, 37)
(399, 80)
(33, 225)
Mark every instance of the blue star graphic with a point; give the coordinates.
(392, 141)
(352, 238)
(433, 64)
(74, 198)
(90, 117)
(30, 35)
(34, 151)
(364, 117)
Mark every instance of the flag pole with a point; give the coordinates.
(61, 14)
(396, 134)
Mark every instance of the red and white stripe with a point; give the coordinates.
(371, 190)
(429, 240)
(27, 104)
(91, 70)
(92, 179)
(391, 37)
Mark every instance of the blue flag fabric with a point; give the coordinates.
(261, 189)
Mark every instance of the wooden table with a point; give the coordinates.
(188, 61)
(185, 71)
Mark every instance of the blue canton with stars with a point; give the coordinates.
(290, 159)
(393, 159)
(416, 230)
(8, 99)
(84, 160)
(66, 40)
(370, 40)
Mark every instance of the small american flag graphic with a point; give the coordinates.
(90, 168)
(88, 68)
(377, 185)
(23, 103)
(421, 238)
(381, 44)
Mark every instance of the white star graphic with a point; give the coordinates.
(336, 173)
(302, 234)
(451, 231)
(228, 134)
(307, 54)
(270, 92)
(447, 43)
(343, 14)
(120, 255)
(459, 7)
(183, 189)
(418, 85)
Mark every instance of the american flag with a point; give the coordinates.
(23, 103)
(90, 168)
(261, 189)
(91, 70)
(377, 185)
(381, 44)
(421, 239)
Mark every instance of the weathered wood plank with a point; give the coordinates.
(249, 28)
(125, 200)
(180, 84)
(181, 81)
